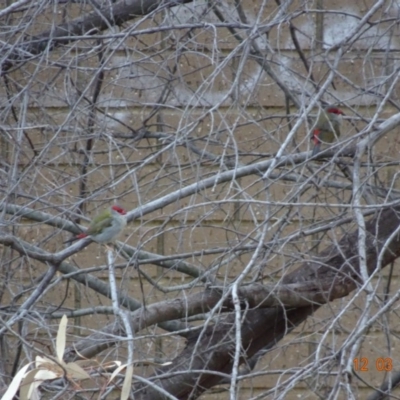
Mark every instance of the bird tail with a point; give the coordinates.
(316, 149)
(77, 237)
(71, 240)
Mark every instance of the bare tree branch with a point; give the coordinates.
(261, 329)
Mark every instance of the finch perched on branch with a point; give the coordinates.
(327, 127)
(105, 227)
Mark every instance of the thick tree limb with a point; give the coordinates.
(263, 328)
(89, 24)
(255, 295)
(165, 312)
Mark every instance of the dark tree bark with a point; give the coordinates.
(89, 24)
(263, 328)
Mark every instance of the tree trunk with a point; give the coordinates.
(213, 348)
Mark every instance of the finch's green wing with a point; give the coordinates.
(99, 223)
